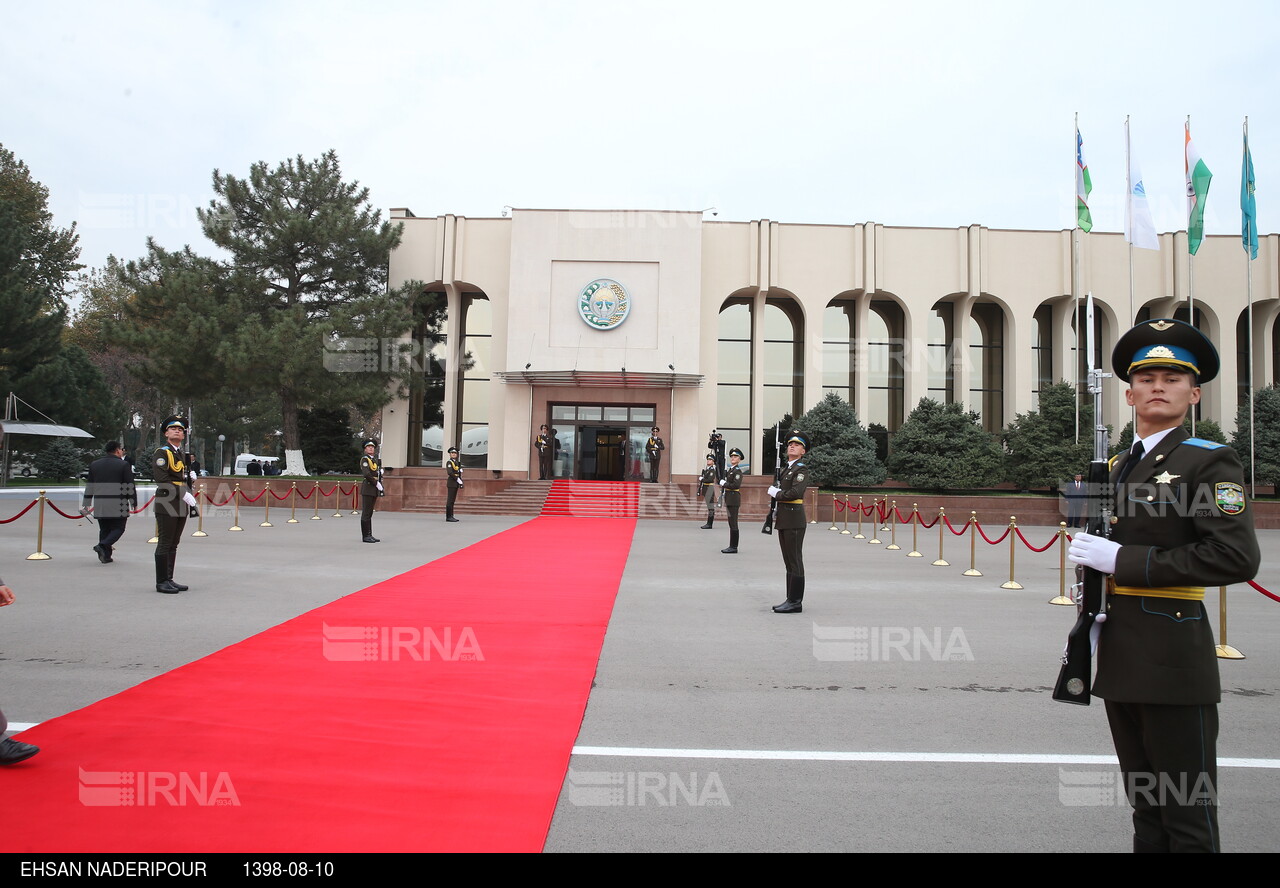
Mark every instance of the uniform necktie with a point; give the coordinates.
(1135, 457)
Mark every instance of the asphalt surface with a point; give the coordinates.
(907, 709)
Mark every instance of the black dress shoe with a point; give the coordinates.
(168, 587)
(178, 586)
(369, 539)
(705, 527)
(102, 553)
(732, 550)
(14, 751)
(454, 520)
(788, 607)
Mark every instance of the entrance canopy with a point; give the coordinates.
(602, 379)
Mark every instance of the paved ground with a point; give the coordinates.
(768, 723)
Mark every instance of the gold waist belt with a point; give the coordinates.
(791, 501)
(1182, 593)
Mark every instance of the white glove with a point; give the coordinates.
(722, 482)
(459, 482)
(774, 490)
(188, 499)
(191, 476)
(1096, 552)
(378, 484)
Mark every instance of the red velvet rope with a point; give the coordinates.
(839, 505)
(214, 502)
(926, 525)
(1270, 595)
(330, 493)
(55, 508)
(142, 508)
(307, 495)
(1052, 540)
(951, 527)
(898, 516)
(279, 496)
(20, 514)
(978, 525)
(253, 499)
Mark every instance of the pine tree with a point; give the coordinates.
(1041, 448)
(1266, 461)
(842, 454)
(943, 446)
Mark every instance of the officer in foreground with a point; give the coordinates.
(1181, 523)
(732, 485)
(174, 501)
(453, 483)
(370, 489)
(788, 494)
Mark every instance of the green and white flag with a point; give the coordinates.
(1198, 178)
(1084, 185)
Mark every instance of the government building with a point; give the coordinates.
(603, 324)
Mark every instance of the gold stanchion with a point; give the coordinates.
(1013, 544)
(1062, 567)
(942, 526)
(973, 547)
(200, 513)
(815, 505)
(235, 498)
(355, 499)
(315, 491)
(833, 526)
(915, 532)
(337, 500)
(859, 535)
(875, 521)
(266, 496)
(884, 522)
(39, 554)
(1224, 650)
(845, 532)
(293, 503)
(155, 539)
(893, 527)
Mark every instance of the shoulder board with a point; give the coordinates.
(1201, 442)
(1111, 462)
(799, 465)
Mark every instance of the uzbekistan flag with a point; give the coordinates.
(1198, 178)
(1248, 203)
(1084, 185)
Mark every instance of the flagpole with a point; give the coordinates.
(1075, 279)
(1128, 210)
(1248, 264)
(1191, 266)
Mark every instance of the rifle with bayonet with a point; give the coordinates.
(1089, 591)
(777, 476)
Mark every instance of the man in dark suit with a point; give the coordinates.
(110, 495)
(790, 521)
(1077, 499)
(1181, 523)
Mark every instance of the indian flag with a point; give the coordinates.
(1198, 178)
(1084, 185)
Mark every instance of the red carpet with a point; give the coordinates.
(593, 499)
(433, 712)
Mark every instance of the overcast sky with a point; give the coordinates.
(906, 113)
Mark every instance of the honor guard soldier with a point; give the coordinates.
(370, 489)
(1181, 523)
(788, 494)
(732, 486)
(545, 445)
(454, 469)
(707, 489)
(653, 450)
(173, 501)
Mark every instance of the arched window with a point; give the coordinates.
(733, 358)
(886, 364)
(1042, 352)
(839, 343)
(426, 391)
(783, 388)
(986, 368)
(474, 384)
(942, 373)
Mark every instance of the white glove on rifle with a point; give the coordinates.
(1096, 552)
(188, 499)
(774, 490)
(378, 484)
(722, 480)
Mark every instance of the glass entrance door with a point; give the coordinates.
(601, 453)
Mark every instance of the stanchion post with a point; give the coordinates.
(337, 500)
(1062, 567)
(815, 505)
(833, 526)
(893, 527)
(235, 499)
(200, 512)
(155, 526)
(293, 503)
(355, 499)
(875, 527)
(884, 520)
(1013, 544)
(915, 532)
(1224, 650)
(39, 553)
(315, 491)
(266, 496)
(845, 532)
(942, 522)
(859, 535)
(973, 547)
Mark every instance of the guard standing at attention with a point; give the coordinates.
(454, 469)
(370, 489)
(173, 502)
(731, 483)
(708, 489)
(546, 449)
(653, 450)
(790, 521)
(1181, 523)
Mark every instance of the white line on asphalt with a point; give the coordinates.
(980, 758)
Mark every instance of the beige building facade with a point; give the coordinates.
(603, 324)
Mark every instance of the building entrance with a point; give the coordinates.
(596, 442)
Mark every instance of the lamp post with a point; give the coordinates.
(222, 469)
